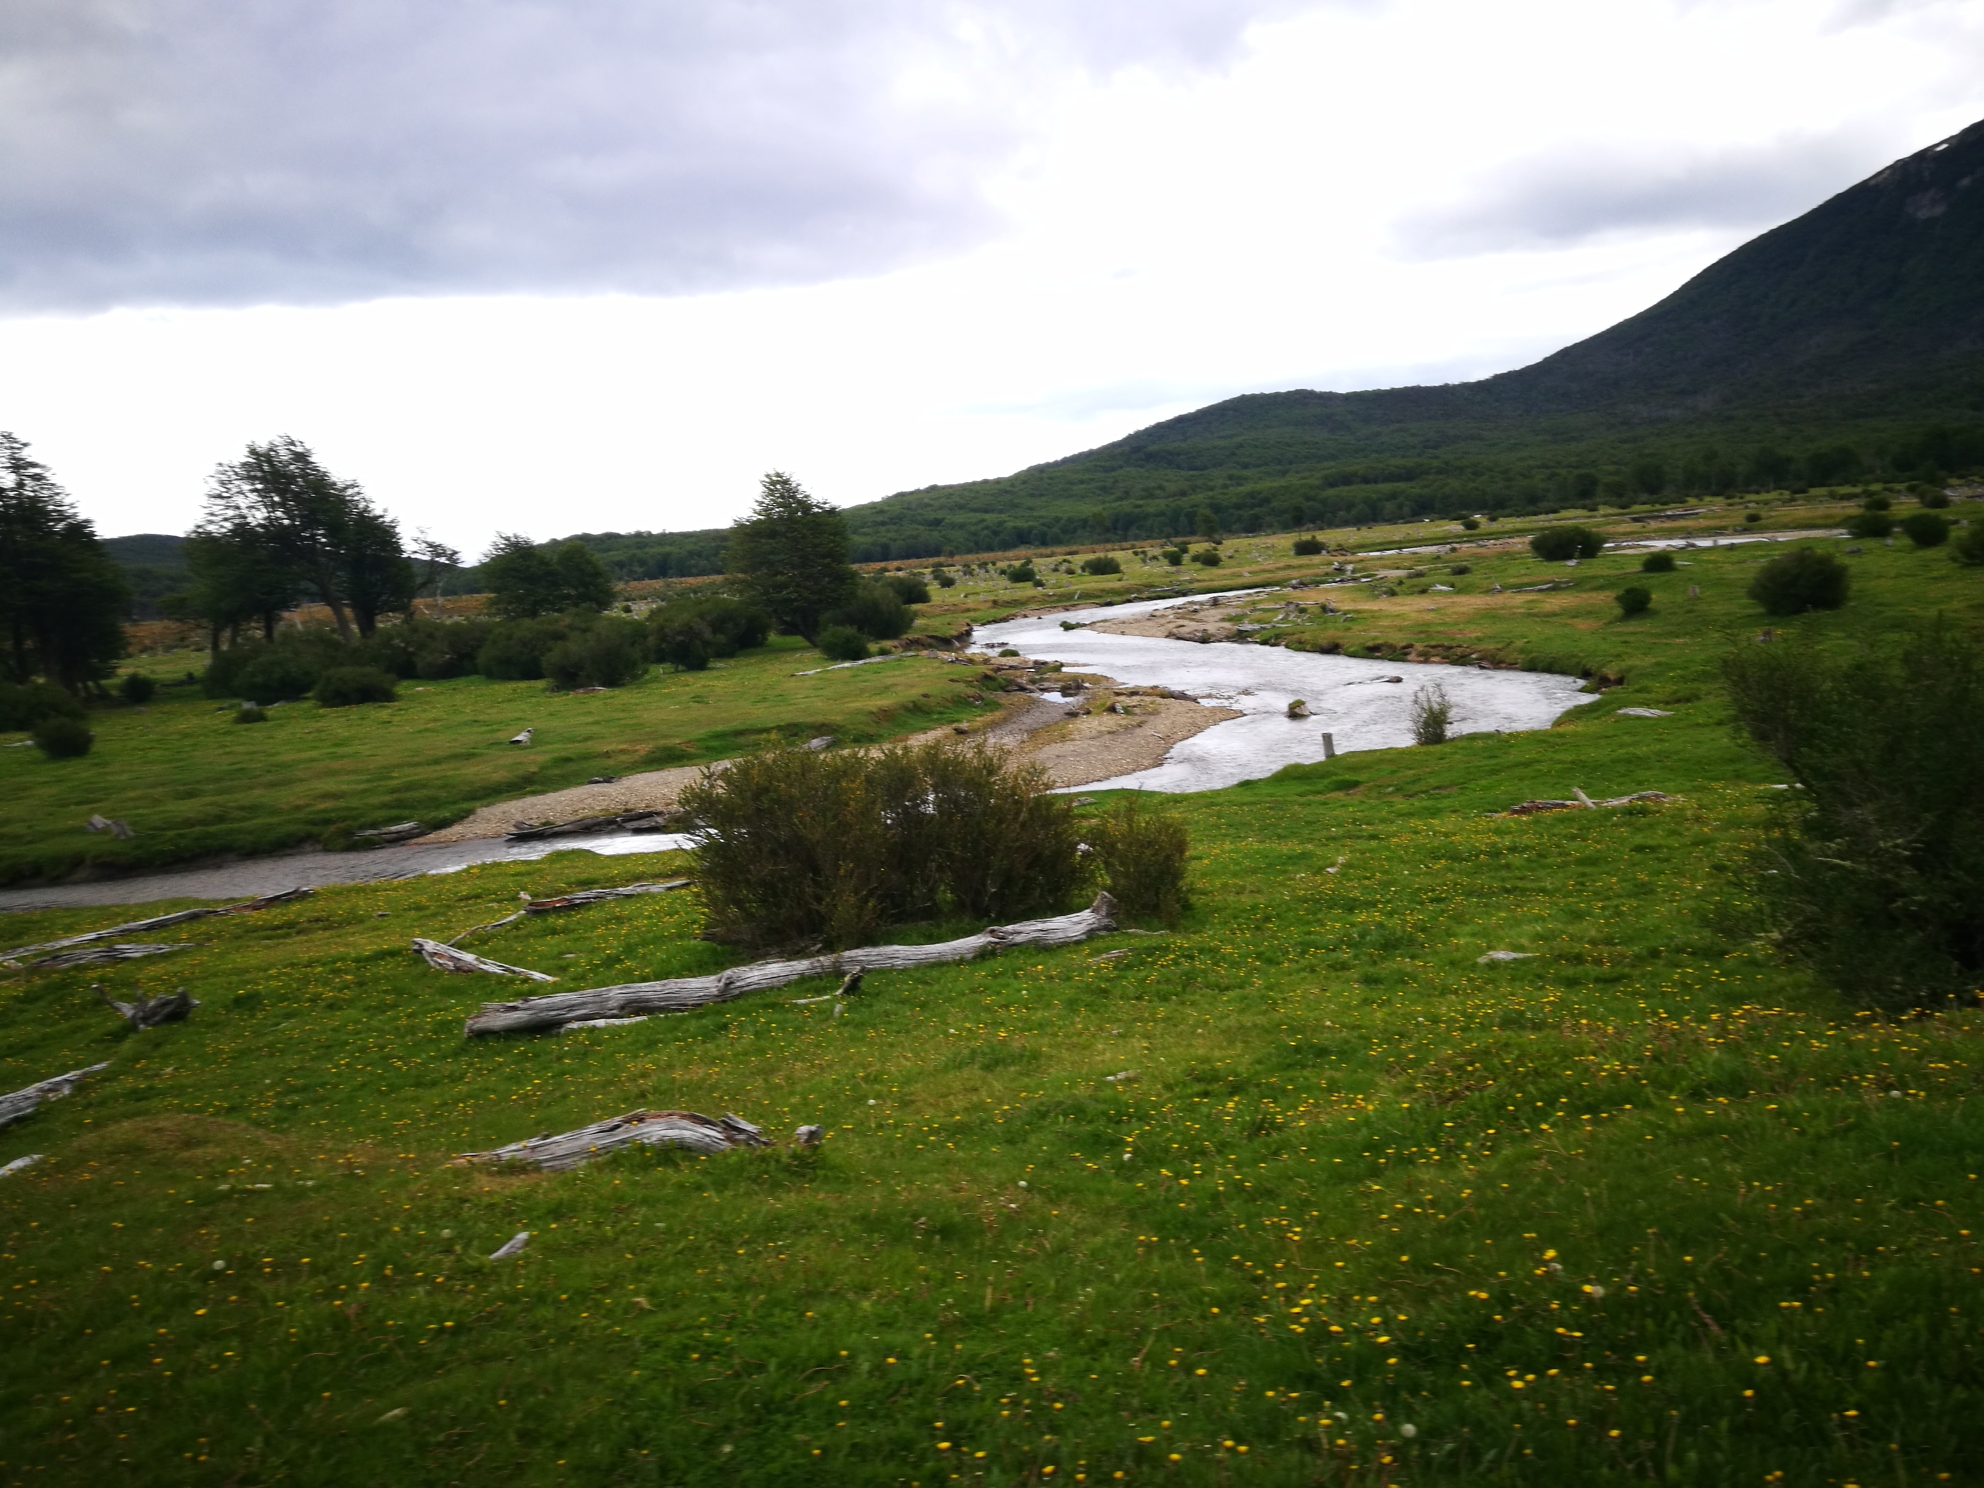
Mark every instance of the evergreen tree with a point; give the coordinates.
(791, 554)
(62, 598)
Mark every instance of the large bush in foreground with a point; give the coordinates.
(795, 846)
(1803, 579)
(1142, 856)
(1877, 872)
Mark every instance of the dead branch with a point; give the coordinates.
(447, 958)
(149, 1012)
(24, 1102)
(637, 999)
(159, 922)
(652, 1128)
(599, 896)
(509, 919)
(123, 951)
(1585, 803)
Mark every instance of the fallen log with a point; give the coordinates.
(159, 922)
(704, 1134)
(397, 832)
(24, 1102)
(679, 994)
(633, 820)
(447, 958)
(149, 1012)
(122, 951)
(599, 896)
(1585, 803)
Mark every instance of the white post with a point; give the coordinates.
(1329, 746)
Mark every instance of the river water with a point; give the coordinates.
(1351, 698)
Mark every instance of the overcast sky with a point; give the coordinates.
(563, 265)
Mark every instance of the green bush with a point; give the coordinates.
(1020, 573)
(1560, 544)
(1470, 524)
(1931, 496)
(910, 589)
(137, 688)
(842, 643)
(59, 736)
(1969, 549)
(1308, 547)
(441, 649)
(22, 706)
(1876, 502)
(876, 610)
(1432, 715)
(1803, 579)
(1753, 516)
(250, 713)
(1657, 563)
(1174, 556)
(610, 652)
(1871, 524)
(1926, 529)
(1635, 599)
(347, 687)
(276, 675)
(1877, 868)
(1142, 856)
(1102, 563)
(943, 578)
(1208, 556)
(795, 847)
(515, 649)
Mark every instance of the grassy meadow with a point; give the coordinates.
(1302, 1192)
(192, 782)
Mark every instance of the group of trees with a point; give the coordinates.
(62, 597)
(279, 528)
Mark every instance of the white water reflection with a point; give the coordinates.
(1348, 697)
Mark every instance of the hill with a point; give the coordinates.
(155, 566)
(1845, 345)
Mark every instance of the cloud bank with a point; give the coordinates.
(232, 152)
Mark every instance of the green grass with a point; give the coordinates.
(191, 781)
(1650, 1206)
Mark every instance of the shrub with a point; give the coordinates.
(59, 736)
(1969, 549)
(722, 623)
(1753, 516)
(1657, 563)
(684, 644)
(1142, 857)
(795, 846)
(1174, 556)
(1009, 651)
(347, 687)
(1458, 569)
(610, 652)
(1470, 524)
(1871, 524)
(1559, 544)
(1308, 547)
(1803, 579)
(876, 610)
(1635, 599)
(277, 675)
(23, 706)
(1926, 529)
(1102, 563)
(1877, 866)
(515, 649)
(842, 643)
(1876, 502)
(250, 713)
(943, 578)
(1930, 496)
(136, 688)
(1019, 573)
(1432, 715)
(910, 589)
(1208, 556)
(441, 649)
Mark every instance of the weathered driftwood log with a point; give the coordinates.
(20, 1164)
(599, 896)
(1585, 803)
(149, 1012)
(679, 994)
(158, 922)
(121, 951)
(397, 832)
(24, 1102)
(447, 958)
(654, 1128)
(583, 824)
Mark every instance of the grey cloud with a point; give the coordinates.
(1564, 199)
(249, 151)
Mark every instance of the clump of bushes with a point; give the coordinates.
(1803, 579)
(1753, 516)
(348, 687)
(1141, 854)
(1100, 564)
(1432, 715)
(137, 688)
(1174, 556)
(1926, 529)
(610, 652)
(1635, 599)
(842, 643)
(909, 588)
(1308, 547)
(23, 705)
(796, 846)
(1020, 573)
(1969, 549)
(1560, 544)
(1877, 868)
(61, 736)
(250, 713)
(691, 628)
(1657, 563)
(1210, 557)
(1930, 496)
(276, 675)
(1871, 524)
(876, 610)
